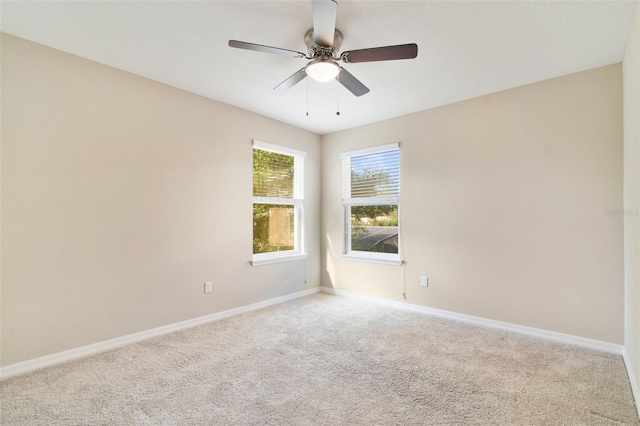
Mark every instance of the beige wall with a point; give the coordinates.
(503, 202)
(120, 197)
(631, 82)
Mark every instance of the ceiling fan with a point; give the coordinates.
(323, 42)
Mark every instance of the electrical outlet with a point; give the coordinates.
(207, 286)
(424, 281)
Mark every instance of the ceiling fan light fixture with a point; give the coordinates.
(322, 69)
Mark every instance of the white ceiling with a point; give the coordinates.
(465, 48)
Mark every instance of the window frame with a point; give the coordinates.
(348, 202)
(297, 202)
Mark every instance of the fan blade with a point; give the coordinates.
(387, 53)
(266, 49)
(292, 81)
(351, 83)
(324, 21)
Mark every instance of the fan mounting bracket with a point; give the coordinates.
(317, 51)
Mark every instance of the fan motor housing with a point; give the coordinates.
(317, 51)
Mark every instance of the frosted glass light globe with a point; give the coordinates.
(322, 70)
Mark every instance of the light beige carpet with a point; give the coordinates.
(326, 360)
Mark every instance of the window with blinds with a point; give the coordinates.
(278, 186)
(371, 198)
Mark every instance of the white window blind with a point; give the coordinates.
(278, 173)
(372, 175)
(274, 174)
(375, 175)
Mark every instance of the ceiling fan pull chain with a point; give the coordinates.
(307, 98)
(338, 98)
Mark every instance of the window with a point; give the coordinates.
(278, 186)
(371, 197)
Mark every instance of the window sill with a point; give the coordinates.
(277, 259)
(395, 262)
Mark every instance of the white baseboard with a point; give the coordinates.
(633, 378)
(484, 322)
(60, 357)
